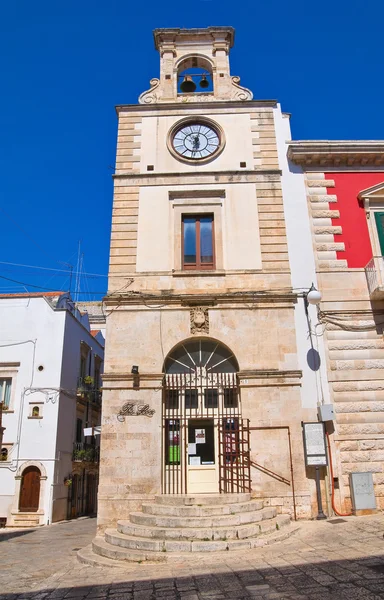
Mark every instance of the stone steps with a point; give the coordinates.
(152, 547)
(102, 548)
(201, 510)
(227, 520)
(174, 525)
(201, 499)
(26, 520)
(178, 528)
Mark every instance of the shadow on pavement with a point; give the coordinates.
(8, 535)
(361, 578)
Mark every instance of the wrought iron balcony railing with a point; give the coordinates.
(83, 452)
(374, 272)
(86, 387)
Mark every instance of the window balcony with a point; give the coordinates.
(374, 272)
(86, 389)
(83, 452)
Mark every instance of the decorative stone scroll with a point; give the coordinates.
(199, 319)
(134, 409)
(149, 96)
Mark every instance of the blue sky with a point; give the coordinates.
(65, 65)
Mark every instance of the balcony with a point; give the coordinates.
(83, 452)
(374, 272)
(86, 389)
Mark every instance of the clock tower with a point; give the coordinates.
(201, 364)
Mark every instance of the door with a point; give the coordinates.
(30, 490)
(202, 468)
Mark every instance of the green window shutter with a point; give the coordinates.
(379, 218)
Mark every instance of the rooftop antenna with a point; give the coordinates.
(79, 267)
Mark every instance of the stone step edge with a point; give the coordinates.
(149, 520)
(219, 507)
(259, 542)
(122, 554)
(204, 499)
(177, 544)
(240, 526)
(87, 556)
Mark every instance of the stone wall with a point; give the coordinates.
(353, 333)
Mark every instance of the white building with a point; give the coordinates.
(50, 366)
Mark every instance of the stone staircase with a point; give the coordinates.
(178, 524)
(26, 519)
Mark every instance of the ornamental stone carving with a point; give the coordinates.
(199, 319)
(149, 96)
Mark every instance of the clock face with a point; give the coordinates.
(196, 141)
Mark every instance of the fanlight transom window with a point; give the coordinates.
(201, 354)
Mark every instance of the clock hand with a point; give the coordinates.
(196, 142)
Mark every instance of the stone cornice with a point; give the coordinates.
(267, 373)
(338, 153)
(206, 177)
(208, 299)
(178, 107)
(167, 35)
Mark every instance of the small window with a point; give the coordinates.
(79, 431)
(191, 399)
(172, 399)
(198, 242)
(35, 411)
(5, 392)
(230, 398)
(4, 454)
(211, 398)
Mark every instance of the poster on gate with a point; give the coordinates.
(200, 436)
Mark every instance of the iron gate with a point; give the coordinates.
(206, 396)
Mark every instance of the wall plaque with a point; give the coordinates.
(134, 409)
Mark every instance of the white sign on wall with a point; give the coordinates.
(314, 444)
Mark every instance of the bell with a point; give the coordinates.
(204, 83)
(188, 85)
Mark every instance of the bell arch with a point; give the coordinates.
(194, 71)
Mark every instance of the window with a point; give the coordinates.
(191, 399)
(172, 399)
(5, 392)
(35, 411)
(211, 398)
(79, 430)
(230, 398)
(379, 218)
(4, 454)
(198, 242)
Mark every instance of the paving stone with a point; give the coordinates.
(310, 565)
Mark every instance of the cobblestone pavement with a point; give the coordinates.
(329, 560)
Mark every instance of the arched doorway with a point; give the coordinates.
(205, 439)
(30, 490)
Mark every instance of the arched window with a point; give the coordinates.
(198, 354)
(35, 411)
(4, 454)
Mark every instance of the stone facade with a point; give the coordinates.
(247, 299)
(350, 316)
